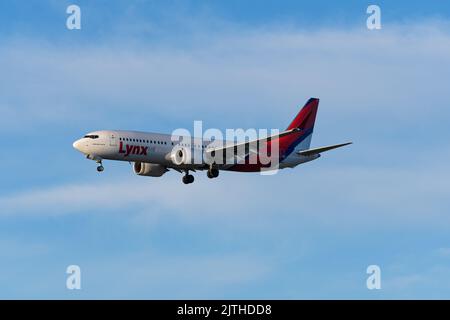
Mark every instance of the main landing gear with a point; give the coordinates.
(212, 173)
(188, 178)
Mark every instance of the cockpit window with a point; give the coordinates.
(91, 136)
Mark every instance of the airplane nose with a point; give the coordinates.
(77, 145)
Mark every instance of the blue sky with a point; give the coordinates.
(307, 233)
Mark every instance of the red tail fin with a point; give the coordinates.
(306, 117)
(305, 122)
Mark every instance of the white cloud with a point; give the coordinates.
(393, 74)
(343, 196)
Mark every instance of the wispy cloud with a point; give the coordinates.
(359, 74)
(378, 196)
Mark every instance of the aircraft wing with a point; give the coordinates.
(239, 151)
(311, 152)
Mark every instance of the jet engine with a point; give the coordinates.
(182, 156)
(149, 169)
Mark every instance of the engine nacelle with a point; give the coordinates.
(149, 169)
(183, 156)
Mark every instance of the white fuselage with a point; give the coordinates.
(147, 147)
(135, 146)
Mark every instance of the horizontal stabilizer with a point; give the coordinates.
(311, 152)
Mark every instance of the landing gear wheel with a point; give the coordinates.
(189, 178)
(100, 168)
(212, 173)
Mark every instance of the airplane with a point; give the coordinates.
(154, 154)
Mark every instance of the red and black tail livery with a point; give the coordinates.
(306, 117)
(304, 121)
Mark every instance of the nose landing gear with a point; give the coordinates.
(100, 167)
(97, 159)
